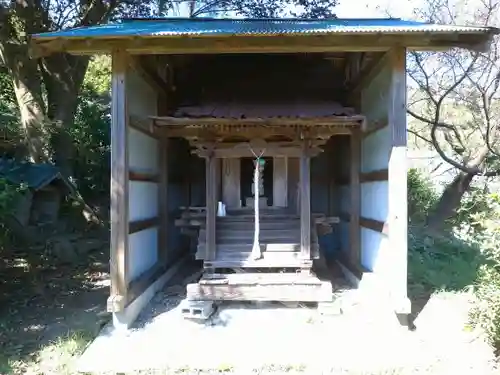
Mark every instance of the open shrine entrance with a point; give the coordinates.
(282, 227)
(266, 185)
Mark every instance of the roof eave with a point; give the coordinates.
(478, 40)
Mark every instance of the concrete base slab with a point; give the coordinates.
(240, 336)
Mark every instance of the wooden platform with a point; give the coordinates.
(288, 287)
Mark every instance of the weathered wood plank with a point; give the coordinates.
(269, 259)
(261, 287)
(119, 180)
(355, 198)
(305, 202)
(249, 278)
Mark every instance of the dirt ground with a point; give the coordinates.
(44, 302)
(50, 312)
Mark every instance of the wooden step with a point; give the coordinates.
(268, 260)
(245, 234)
(260, 287)
(245, 248)
(244, 218)
(276, 225)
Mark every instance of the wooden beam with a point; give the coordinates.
(397, 190)
(375, 225)
(119, 179)
(271, 152)
(150, 77)
(359, 42)
(372, 129)
(211, 212)
(373, 176)
(139, 225)
(370, 72)
(355, 198)
(143, 176)
(144, 125)
(354, 120)
(305, 202)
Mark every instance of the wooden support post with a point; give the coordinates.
(397, 215)
(119, 184)
(355, 204)
(211, 186)
(305, 202)
(163, 202)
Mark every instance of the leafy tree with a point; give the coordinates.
(456, 102)
(46, 89)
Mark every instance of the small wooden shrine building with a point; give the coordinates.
(319, 105)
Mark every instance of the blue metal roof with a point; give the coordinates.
(226, 27)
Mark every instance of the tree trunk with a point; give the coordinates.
(449, 201)
(26, 80)
(63, 77)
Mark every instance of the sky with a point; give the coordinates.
(360, 8)
(380, 8)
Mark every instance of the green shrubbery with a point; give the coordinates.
(466, 257)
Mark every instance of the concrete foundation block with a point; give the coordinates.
(200, 310)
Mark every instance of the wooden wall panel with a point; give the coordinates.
(376, 149)
(143, 202)
(280, 184)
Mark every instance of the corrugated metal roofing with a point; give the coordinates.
(264, 110)
(222, 27)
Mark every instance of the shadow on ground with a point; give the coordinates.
(437, 264)
(43, 301)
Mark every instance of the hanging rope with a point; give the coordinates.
(256, 253)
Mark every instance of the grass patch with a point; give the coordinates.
(55, 358)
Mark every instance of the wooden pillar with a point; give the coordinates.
(211, 205)
(305, 202)
(355, 198)
(119, 184)
(397, 189)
